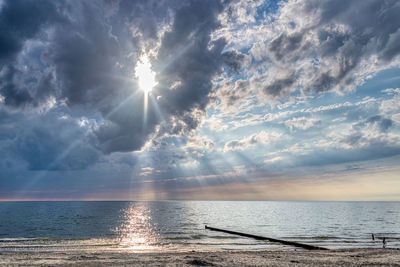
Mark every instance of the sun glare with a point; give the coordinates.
(145, 75)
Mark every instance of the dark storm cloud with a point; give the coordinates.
(84, 57)
(21, 20)
(67, 152)
(13, 96)
(186, 56)
(94, 57)
(145, 16)
(189, 57)
(83, 54)
(21, 95)
(49, 142)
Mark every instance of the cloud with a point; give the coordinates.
(347, 39)
(231, 92)
(392, 104)
(85, 53)
(82, 54)
(281, 85)
(317, 46)
(302, 123)
(146, 171)
(355, 128)
(49, 142)
(240, 83)
(186, 62)
(383, 123)
(23, 84)
(262, 137)
(189, 58)
(17, 25)
(199, 143)
(234, 60)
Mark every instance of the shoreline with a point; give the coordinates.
(342, 257)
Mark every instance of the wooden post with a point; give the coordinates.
(285, 242)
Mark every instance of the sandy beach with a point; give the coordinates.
(353, 257)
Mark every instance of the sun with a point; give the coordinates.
(145, 75)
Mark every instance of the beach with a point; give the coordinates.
(174, 234)
(348, 257)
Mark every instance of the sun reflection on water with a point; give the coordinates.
(137, 232)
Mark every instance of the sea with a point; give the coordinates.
(151, 226)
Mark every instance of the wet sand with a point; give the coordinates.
(352, 257)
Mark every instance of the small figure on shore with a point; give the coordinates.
(384, 242)
(373, 237)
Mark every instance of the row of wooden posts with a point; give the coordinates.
(285, 242)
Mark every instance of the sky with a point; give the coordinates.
(200, 100)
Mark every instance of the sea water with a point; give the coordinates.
(180, 225)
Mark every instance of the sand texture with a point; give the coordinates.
(353, 257)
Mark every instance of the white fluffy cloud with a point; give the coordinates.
(317, 46)
(261, 138)
(302, 123)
